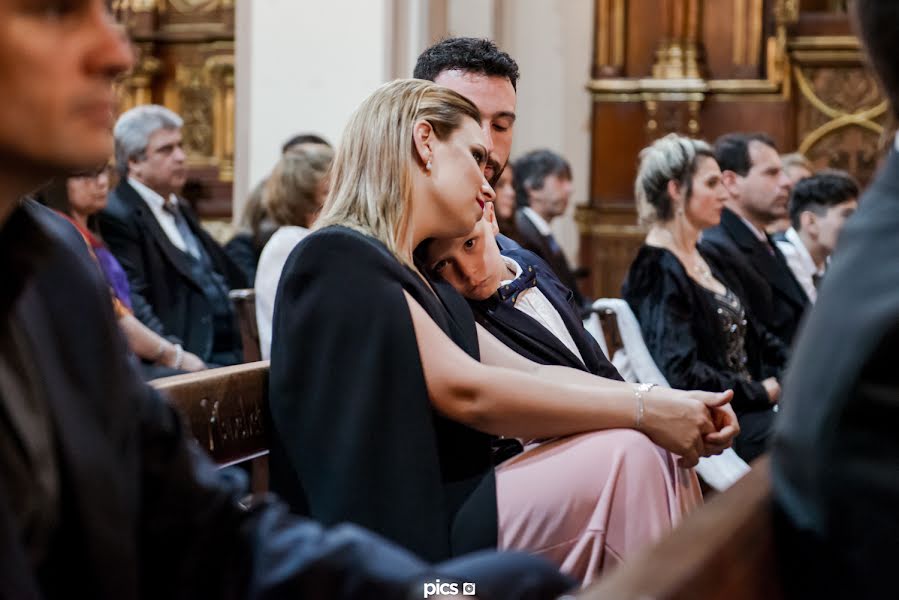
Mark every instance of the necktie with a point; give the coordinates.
(190, 240)
(552, 243)
(816, 279)
(509, 293)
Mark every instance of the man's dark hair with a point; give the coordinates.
(531, 170)
(732, 151)
(474, 55)
(304, 138)
(820, 192)
(876, 22)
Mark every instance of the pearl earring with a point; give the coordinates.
(428, 166)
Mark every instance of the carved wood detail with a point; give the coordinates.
(186, 63)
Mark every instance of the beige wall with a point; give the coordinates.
(303, 66)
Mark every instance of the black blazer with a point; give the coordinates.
(772, 293)
(836, 453)
(531, 239)
(357, 436)
(680, 327)
(164, 294)
(531, 339)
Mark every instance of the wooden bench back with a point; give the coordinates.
(245, 307)
(723, 551)
(225, 410)
(609, 323)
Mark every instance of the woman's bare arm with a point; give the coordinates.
(540, 401)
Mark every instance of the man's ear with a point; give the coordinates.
(730, 179)
(423, 136)
(808, 221)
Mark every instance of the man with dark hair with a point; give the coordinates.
(836, 451)
(488, 77)
(543, 189)
(100, 490)
(752, 173)
(819, 206)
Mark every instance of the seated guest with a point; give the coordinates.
(758, 192)
(79, 198)
(385, 396)
(179, 275)
(293, 196)
(101, 489)
(692, 318)
(835, 459)
(516, 297)
(797, 167)
(506, 204)
(542, 182)
(304, 138)
(819, 207)
(254, 231)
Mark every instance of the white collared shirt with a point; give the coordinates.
(533, 303)
(165, 219)
(538, 221)
(800, 262)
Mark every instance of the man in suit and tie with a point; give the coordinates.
(759, 190)
(543, 189)
(179, 276)
(101, 491)
(835, 464)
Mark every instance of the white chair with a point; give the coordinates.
(636, 365)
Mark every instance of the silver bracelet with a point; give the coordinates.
(179, 356)
(639, 390)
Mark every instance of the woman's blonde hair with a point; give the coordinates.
(290, 195)
(371, 185)
(671, 158)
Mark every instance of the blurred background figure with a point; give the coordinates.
(79, 198)
(819, 207)
(293, 196)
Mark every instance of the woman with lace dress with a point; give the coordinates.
(690, 311)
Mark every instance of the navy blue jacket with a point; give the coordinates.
(530, 338)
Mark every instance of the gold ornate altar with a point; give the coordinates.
(791, 68)
(186, 62)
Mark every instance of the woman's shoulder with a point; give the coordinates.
(654, 269)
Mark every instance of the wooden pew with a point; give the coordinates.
(725, 550)
(244, 302)
(225, 409)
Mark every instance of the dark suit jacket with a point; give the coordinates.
(145, 513)
(772, 293)
(531, 339)
(836, 452)
(164, 294)
(531, 239)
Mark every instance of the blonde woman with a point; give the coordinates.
(690, 311)
(386, 398)
(292, 197)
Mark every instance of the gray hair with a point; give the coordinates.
(671, 158)
(133, 130)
